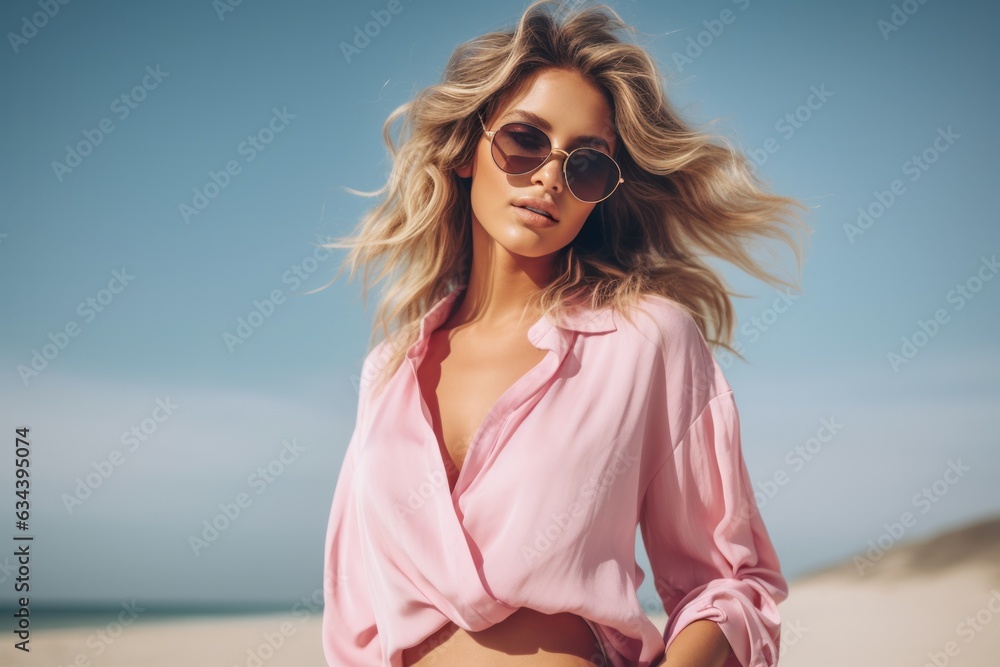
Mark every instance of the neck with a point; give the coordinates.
(502, 286)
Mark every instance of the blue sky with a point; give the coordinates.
(896, 114)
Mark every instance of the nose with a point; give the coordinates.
(551, 171)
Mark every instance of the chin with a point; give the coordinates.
(533, 250)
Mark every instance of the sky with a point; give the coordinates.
(170, 169)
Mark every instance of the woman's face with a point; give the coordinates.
(572, 108)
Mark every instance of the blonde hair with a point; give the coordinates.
(684, 192)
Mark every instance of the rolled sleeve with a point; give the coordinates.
(708, 547)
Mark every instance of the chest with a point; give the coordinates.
(461, 380)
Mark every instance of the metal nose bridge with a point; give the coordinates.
(552, 153)
(563, 168)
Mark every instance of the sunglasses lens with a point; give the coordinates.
(591, 175)
(519, 148)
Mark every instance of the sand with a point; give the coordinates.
(935, 602)
(249, 641)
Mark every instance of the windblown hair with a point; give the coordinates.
(686, 191)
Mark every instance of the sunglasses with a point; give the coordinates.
(519, 148)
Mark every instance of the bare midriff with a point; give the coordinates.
(526, 637)
(460, 385)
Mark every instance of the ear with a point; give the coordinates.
(465, 171)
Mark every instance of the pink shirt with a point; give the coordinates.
(619, 426)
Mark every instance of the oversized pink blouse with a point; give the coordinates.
(619, 426)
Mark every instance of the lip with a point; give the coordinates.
(533, 219)
(540, 204)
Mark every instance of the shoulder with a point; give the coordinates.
(375, 360)
(665, 324)
(671, 341)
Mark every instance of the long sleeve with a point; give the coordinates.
(709, 550)
(350, 636)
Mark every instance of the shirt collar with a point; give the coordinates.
(579, 317)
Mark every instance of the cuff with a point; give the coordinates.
(752, 628)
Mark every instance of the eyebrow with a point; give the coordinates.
(535, 119)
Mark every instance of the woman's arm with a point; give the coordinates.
(699, 644)
(709, 550)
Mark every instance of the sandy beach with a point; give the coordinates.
(934, 602)
(248, 641)
(261, 641)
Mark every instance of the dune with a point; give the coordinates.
(933, 602)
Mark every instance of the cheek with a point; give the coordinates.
(488, 184)
(576, 217)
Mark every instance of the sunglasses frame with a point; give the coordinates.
(552, 150)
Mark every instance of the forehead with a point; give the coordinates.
(565, 105)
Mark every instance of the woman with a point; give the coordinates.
(551, 388)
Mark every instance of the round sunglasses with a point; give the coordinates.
(519, 148)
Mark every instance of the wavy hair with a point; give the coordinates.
(687, 191)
